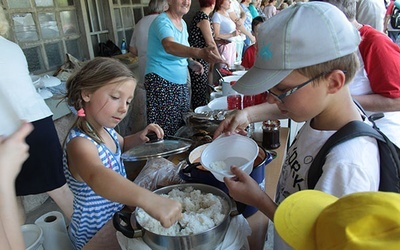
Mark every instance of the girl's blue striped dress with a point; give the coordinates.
(91, 211)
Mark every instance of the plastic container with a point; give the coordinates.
(33, 237)
(197, 174)
(236, 150)
(234, 102)
(249, 100)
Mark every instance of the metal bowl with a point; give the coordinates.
(205, 240)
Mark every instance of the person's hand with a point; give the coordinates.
(243, 188)
(238, 23)
(165, 210)
(13, 152)
(252, 39)
(209, 55)
(235, 33)
(196, 67)
(235, 123)
(151, 128)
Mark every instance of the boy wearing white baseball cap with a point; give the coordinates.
(306, 57)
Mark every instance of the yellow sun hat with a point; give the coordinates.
(312, 219)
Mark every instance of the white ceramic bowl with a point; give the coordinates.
(236, 150)
(218, 103)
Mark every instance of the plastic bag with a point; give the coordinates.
(157, 173)
(131, 244)
(236, 235)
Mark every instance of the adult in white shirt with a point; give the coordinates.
(238, 15)
(225, 28)
(43, 170)
(138, 47)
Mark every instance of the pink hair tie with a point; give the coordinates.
(81, 112)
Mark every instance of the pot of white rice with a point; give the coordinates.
(206, 216)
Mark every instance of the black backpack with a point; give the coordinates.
(395, 18)
(389, 153)
(108, 49)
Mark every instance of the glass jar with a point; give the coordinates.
(271, 134)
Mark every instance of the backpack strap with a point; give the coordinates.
(349, 131)
(372, 118)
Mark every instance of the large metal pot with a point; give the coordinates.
(193, 172)
(205, 240)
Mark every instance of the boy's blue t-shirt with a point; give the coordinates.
(170, 67)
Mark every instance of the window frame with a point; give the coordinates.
(88, 36)
(42, 44)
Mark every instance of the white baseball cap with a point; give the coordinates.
(302, 35)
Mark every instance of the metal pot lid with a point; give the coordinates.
(157, 148)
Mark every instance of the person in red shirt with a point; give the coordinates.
(376, 86)
(250, 54)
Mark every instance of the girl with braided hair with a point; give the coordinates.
(101, 92)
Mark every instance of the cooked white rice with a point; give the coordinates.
(201, 211)
(219, 166)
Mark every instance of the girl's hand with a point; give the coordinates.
(140, 137)
(151, 128)
(243, 188)
(165, 210)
